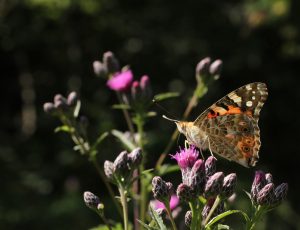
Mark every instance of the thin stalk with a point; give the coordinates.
(123, 194)
(198, 93)
(168, 209)
(212, 210)
(194, 224)
(257, 216)
(105, 221)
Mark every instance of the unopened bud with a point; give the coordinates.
(266, 195)
(188, 218)
(121, 165)
(203, 66)
(214, 185)
(269, 178)
(99, 69)
(228, 185)
(109, 169)
(72, 99)
(281, 192)
(49, 108)
(146, 87)
(91, 200)
(60, 102)
(185, 193)
(210, 166)
(258, 183)
(197, 177)
(136, 157)
(216, 67)
(136, 90)
(160, 189)
(110, 62)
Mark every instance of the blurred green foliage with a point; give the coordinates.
(48, 46)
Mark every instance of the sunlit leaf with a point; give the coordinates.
(63, 128)
(164, 96)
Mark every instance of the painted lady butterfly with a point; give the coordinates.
(229, 127)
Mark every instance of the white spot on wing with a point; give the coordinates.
(249, 103)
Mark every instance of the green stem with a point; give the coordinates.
(194, 224)
(123, 194)
(257, 216)
(212, 210)
(105, 221)
(168, 209)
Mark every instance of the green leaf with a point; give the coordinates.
(117, 226)
(222, 227)
(97, 142)
(147, 226)
(159, 221)
(223, 215)
(121, 106)
(124, 139)
(64, 128)
(164, 96)
(166, 168)
(77, 109)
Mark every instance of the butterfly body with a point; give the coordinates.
(229, 127)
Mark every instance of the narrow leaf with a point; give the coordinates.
(164, 96)
(124, 139)
(120, 106)
(63, 128)
(159, 221)
(147, 226)
(77, 109)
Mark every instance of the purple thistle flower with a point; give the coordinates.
(186, 157)
(121, 81)
(258, 183)
(174, 201)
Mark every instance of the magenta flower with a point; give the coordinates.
(121, 81)
(173, 203)
(186, 157)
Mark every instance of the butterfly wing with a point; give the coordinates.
(231, 124)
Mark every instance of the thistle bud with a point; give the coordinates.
(269, 178)
(203, 66)
(160, 189)
(109, 169)
(228, 185)
(121, 165)
(214, 185)
(60, 102)
(185, 193)
(188, 218)
(266, 196)
(161, 212)
(146, 87)
(135, 157)
(136, 90)
(197, 177)
(210, 166)
(99, 69)
(216, 67)
(49, 108)
(170, 188)
(72, 99)
(258, 183)
(91, 200)
(281, 192)
(110, 62)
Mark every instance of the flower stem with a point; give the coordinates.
(257, 216)
(123, 194)
(168, 209)
(212, 210)
(105, 221)
(194, 224)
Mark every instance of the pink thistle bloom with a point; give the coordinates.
(121, 81)
(186, 157)
(173, 203)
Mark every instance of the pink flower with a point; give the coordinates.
(186, 157)
(121, 81)
(173, 203)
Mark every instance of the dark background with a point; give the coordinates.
(48, 46)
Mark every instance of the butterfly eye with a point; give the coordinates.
(246, 149)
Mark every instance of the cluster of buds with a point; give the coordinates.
(141, 93)
(162, 191)
(62, 105)
(93, 202)
(206, 68)
(199, 177)
(108, 66)
(264, 192)
(121, 170)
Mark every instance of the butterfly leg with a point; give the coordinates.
(207, 138)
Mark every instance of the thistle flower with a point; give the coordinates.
(188, 218)
(228, 187)
(186, 157)
(266, 196)
(258, 183)
(121, 82)
(174, 201)
(161, 190)
(91, 200)
(214, 185)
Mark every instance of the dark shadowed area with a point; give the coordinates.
(48, 47)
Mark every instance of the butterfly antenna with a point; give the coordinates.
(162, 108)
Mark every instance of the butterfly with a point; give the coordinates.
(229, 127)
